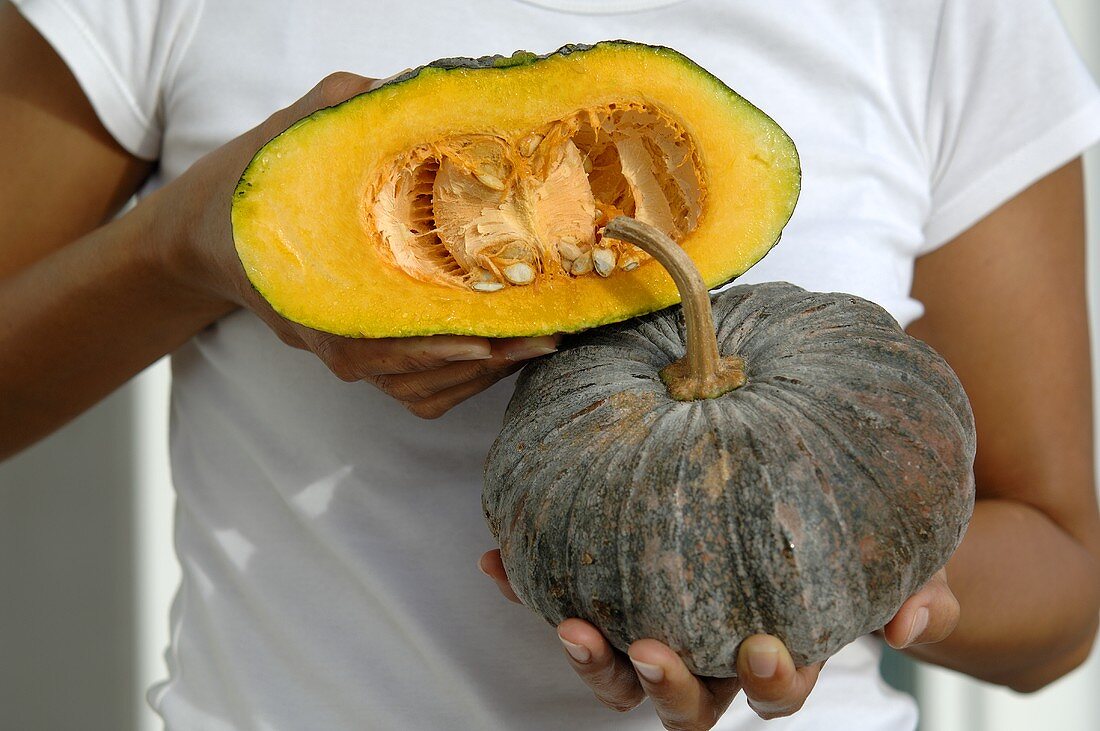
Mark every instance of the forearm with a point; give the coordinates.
(80, 322)
(1029, 595)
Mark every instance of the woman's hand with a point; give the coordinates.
(928, 616)
(773, 686)
(429, 375)
(90, 298)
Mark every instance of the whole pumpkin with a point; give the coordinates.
(825, 480)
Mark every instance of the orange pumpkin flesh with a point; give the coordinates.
(469, 196)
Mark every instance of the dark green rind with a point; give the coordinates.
(807, 504)
(499, 63)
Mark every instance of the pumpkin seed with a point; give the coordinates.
(604, 261)
(529, 144)
(488, 179)
(581, 265)
(519, 273)
(569, 249)
(486, 286)
(514, 251)
(629, 265)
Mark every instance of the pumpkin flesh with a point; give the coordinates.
(406, 210)
(485, 212)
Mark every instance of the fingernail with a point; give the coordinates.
(482, 568)
(651, 673)
(527, 351)
(920, 623)
(579, 653)
(763, 663)
(469, 354)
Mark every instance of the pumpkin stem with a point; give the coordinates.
(702, 373)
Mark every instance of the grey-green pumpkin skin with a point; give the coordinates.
(808, 504)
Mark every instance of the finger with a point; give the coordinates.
(332, 90)
(435, 406)
(608, 673)
(354, 359)
(420, 385)
(682, 701)
(517, 349)
(724, 691)
(928, 616)
(414, 387)
(773, 686)
(492, 566)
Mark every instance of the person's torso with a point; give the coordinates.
(327, 537)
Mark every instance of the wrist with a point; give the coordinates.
(171, 233)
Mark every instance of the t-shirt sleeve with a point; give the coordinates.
(1010, 100)
(123, 54)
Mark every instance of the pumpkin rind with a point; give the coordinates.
(297, 209)
(809, 503)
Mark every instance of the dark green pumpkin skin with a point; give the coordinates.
(808, 504)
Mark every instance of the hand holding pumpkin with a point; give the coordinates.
(681, 699)
(928, 616)
(429, 375)
(773, 686)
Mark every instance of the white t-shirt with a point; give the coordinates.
(327, 537)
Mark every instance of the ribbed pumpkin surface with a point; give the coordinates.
(809, 503)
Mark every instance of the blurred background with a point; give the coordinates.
(87, 572)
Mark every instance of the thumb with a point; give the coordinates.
(928, 616)
(492, 566)
(333, 89)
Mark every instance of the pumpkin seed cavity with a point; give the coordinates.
(486, 212)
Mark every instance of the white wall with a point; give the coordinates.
(66, 643)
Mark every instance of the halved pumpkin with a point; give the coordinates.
(469, 196)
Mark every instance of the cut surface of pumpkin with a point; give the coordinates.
(469, 196)
(487, 211)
